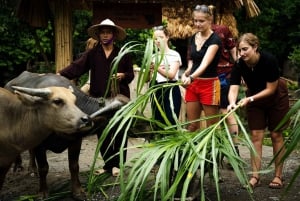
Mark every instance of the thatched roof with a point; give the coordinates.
(180, 24)
(177, 13)
(223, 5)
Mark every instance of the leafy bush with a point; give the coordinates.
(295, 57)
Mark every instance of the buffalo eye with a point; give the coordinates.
(58, 101)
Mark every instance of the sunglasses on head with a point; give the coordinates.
(203, 8)
(161, 27)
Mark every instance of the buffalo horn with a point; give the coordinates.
(115, 104)
(40, 92)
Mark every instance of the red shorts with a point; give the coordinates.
(204, 90)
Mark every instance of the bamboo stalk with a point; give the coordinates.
(288, 80)
(63, 37)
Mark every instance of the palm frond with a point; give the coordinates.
(181, 156)
(291, 143)
(183, 153)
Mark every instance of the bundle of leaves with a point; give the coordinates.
(180, 157)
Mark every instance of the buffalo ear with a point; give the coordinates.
(28, 99)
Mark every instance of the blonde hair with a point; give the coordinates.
(204, 9)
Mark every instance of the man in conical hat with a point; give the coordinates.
(119, 32)
(98, 61)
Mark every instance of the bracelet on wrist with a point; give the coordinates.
(192, 79)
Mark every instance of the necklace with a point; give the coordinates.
(199, 41)
(252, 65)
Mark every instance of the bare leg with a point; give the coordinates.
(193, 111)
(278, 147)
(211, 110)
(257, 140)
(233, 128)
(231, 122)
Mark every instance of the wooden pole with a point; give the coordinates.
(63, 33)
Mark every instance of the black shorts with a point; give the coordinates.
(224, 97)
(268, 112)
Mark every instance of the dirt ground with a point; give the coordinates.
(23, 184)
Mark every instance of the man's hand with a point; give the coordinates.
(119, 76)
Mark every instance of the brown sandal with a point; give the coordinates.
(276, 185)
(256, 184)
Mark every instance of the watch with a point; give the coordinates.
(251, 99)
(192, 79)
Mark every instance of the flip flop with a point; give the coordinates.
(276, 185)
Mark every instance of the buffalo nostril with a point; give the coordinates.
(86, 119)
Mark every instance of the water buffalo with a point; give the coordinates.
(58, 144)
(28, 116)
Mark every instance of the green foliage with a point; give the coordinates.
(22, 44)
(18, 42)
(292, 142)
(295, 57)
(292, 85)
(45, 39)
(15, 46)
(54, 196)
(140, 36)
(174, 150)
(82, 19)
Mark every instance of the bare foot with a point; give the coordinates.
(115, 171)
(99, 171)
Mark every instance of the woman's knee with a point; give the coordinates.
(193, 127)
(257, 136)
(277, 137)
